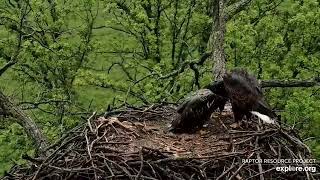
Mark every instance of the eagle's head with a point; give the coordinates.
(218, 88)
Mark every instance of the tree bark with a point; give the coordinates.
(7, 108)
(216, 41)
(221, 14)
(290, 83)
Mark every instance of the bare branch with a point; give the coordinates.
(290, 83)
(183, 66)
(33, 105)
(7, 66)
(120, 89)
(13, 60)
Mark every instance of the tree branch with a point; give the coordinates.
(263, 12)
(290, 83)
(13, 59)
(33, 105)
(7, 108)
(191, 64)
(7, 66)
(235, 8)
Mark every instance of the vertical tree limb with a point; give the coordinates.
(221, 14)
(216, 41)
(7, 108)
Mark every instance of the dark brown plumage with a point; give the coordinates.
(195, 111)
(218, 88)
(245, 95)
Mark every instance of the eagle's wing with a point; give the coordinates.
(193, 109)
(241, 87)
(241, 79)
(203, 98)
(182, 106)
(245, 93)
(196, 101)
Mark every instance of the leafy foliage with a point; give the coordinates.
(13, 143)
(75, 57)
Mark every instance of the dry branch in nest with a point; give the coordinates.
(133, 144)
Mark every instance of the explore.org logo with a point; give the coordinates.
(296, 168)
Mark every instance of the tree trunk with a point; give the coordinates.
(216, 41)
(7, 108)
(221, 14)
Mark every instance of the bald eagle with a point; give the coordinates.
(195, 111)
(218, 88)
(245, 95)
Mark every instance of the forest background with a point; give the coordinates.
(61, 60)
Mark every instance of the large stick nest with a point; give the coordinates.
(133, 144)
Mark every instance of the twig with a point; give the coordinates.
(141, 166)
(89, 121)
(258, 154)
(240, 167)
(225, 172)
(304, 165)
